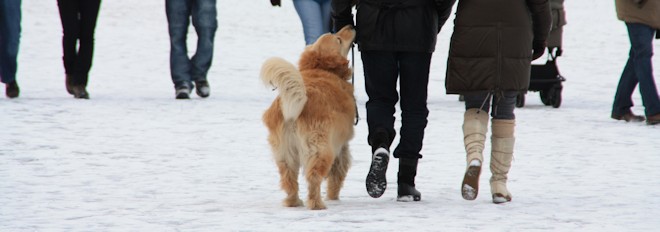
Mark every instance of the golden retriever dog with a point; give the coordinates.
(311, 121)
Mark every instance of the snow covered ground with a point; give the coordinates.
(134, 159)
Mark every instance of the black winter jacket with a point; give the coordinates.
(394, 25)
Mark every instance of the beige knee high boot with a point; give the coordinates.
(475, 127)
(501, 156)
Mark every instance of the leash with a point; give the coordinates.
(357, 115)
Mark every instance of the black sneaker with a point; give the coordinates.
(12, 89)
(203, 88)
(182, 92)
(376, 179)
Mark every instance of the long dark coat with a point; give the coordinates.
(491, 47)
(394, 25)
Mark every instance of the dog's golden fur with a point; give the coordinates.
(311, 121)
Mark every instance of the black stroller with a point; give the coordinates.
(547, 80)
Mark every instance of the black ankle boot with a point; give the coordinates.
(406, 183)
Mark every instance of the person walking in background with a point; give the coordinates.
(185, 70)
(642, 19)
(314, 15)
(558, 21)
(10, 33)
(78, 25)
(396, 39)
(490, 54)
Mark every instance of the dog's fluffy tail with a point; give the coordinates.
(282, 75)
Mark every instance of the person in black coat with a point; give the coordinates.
(396, 39)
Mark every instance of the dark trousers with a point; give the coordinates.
(78, 24)
(503, 103)
(382, 69)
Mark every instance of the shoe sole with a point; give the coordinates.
(183, 96)
(376, 178)
(499, 198)
(82, 96)
(632, 119)
(12, 94)
(408, 198)
(470, 185)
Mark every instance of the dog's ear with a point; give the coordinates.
(327, 43)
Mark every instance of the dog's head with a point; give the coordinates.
(338, 43)
(329, 53)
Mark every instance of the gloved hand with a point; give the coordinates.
(339, 24)
(276, 2)
(538, 48)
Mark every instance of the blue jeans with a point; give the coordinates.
(638, 70)
(204, 18)
(315, 18)
(10, 32)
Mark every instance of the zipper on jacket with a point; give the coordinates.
(498, 82)
(497, 90)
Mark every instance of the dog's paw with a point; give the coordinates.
(315, 205)
(294, 202)
(332, 197)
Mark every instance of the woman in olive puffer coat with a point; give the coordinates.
(491, 49)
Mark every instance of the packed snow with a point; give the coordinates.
(132, 158)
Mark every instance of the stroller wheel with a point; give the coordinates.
(556, 97)
(520, 100)
(545, 98)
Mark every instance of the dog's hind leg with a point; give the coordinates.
(285, 152)
(338, 172)
(320, 161)
(289, 182)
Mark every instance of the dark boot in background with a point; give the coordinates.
(80, 92)
(68, 81)
(12, 89)
(406, 183)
